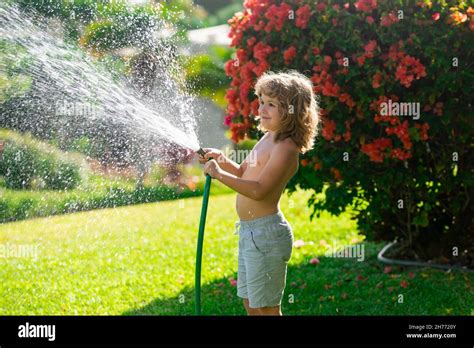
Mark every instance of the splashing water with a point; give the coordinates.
(171, 118)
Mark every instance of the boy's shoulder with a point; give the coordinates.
(287, 145)
(285, 148)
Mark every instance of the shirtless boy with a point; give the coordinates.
(288, 114)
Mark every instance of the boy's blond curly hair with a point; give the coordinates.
(297, 105)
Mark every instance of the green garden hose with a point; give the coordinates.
(200, 242)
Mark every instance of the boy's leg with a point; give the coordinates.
(266, 259)
(276, 310)
(266, 277)
(263, 258)
(250, 311)
(242, 282)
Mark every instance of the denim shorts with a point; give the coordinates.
(265, 247)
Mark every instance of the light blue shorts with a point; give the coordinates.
(265, 246)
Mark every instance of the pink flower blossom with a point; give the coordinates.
(314, 261)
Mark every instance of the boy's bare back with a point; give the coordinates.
(275, 164)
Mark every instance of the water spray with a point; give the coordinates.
(200, 242)
(78, 76)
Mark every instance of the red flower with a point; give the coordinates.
(314, 261)
(246, 71)
(369, 19)
(227, 120)
(408, 70)
(361, 60)
(366, 5)
(245, 88)
(400, 154)
(321, 6)
(251, 41)
(277, 16)
(375, 149)
(395, 53)
(259, 26)
(388, 19)
(328, 129)
(231, 95)
(289, 54)
(423, 130)
(241, 56)
(261, 68)
(254, 107)
(303, 15)
(376, 80)
(238, 131)
(330, 90)
(336, 173)
(261, 51)
(347, 99)
(347, 134)
(435, 16)
(369, 48)
(401, 131)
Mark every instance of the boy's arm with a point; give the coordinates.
(277, 170)
(230, 166)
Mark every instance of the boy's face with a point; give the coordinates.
(270, 117)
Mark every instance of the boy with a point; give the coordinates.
(288, 114)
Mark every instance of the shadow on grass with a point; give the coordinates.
(335, 286)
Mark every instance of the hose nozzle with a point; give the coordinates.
(201, 152)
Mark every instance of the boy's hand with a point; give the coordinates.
(210, 153)
(212, 168)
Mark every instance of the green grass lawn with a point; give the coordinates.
(140, 259)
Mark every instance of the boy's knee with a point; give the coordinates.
(250, 311)
(262, 310)
(269, 311)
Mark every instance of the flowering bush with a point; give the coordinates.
(396, 90)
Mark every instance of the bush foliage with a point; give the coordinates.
(374, 63)
(26, 163)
